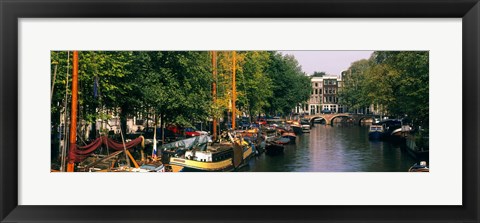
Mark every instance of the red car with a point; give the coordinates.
(191, 132)
(174, 129)
(261, 121)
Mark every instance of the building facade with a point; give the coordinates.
(324, 97)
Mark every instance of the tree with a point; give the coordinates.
(290, 85)
(398, 81)
(409, 82)
(353, 93)
(254, 85)
(175, 84)
(105, 84)
(319, 74)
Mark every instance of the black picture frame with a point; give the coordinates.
(11, 11)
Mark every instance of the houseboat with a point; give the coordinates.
(375, 132)
(200, 154)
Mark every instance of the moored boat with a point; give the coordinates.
(273, 148)
(306, 126)
(417, 146)
(296, 127)
(283, 140)
(389, 126)
(290, 135)
(401, 133)
(199, 154)
(422, 167)
(273, 143)
(375, 132)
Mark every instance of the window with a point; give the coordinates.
(316, 91)
(316, 84)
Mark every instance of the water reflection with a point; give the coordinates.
(338, 148)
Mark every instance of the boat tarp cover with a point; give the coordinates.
(199, 142)
(79, 153)
(237, 155)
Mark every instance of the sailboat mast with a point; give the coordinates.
(65, 121)
(214, 92)
(154, 150)
(73, 116)
(234, 91)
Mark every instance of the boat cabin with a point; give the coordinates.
(376, 128)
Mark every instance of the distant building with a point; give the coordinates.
(324, 97)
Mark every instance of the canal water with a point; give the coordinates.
(338, 148)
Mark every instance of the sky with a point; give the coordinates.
(330, 62)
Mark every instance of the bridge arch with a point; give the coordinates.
(339, 116)
(315, 118)
(356, 118)
(360, 119)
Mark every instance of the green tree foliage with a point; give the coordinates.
(253, 83)
(319, 74)
(60, 60)
(397, 81)
(409, 82)
(354, 89)
(109, 71)
(116, 85)
(290, 85)
(176, 85)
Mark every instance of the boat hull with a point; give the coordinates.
(274, 149)
(297, 130)
(292, 139)
(375, 135)
(224, 165)
(415, 151)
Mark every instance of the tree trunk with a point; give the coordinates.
(162, 123)
(123, 120)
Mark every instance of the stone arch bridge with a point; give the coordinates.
(355, 118)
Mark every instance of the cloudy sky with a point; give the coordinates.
(331, 62)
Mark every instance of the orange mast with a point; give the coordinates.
(214, 92)
(73, 117)
(234, 92)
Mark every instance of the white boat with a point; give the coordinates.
(305, 128)
(401, 132)
(375, 132)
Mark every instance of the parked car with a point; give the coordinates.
(326, 111)
(175, 129)
(191, 132)
(261, 121)
(148, 134)
(245, 124)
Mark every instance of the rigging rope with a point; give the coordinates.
(82, 152)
